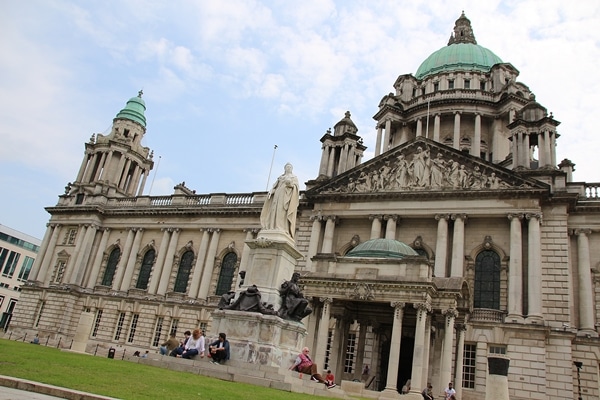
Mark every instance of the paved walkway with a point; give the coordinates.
(22, 389)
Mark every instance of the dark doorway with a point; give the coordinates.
(407, 348)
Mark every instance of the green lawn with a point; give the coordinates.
(122, 379)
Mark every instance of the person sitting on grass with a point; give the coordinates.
(219, 349)
(305, 365)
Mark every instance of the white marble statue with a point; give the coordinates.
(279, 210)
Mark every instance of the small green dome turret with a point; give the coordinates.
(462, 53)
(134, 110)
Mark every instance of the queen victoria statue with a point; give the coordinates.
(279, 210)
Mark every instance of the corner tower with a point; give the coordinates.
(116, 164)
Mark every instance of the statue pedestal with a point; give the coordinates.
(255, 338)
(271, 261)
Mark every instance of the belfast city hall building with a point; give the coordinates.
(462, 250)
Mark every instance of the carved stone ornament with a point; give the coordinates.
(362, 291)
(418, 166)
(263, 242)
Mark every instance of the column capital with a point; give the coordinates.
(510, 216)
(330, 217)
(450, 313)
(392, 217)
(326, 300)
(422, 309)
(457, 112)
(460, 327)
(398, 309)
(459, 216)
(531, 216)
(317, 217)
(254, 231)
(442, 216)
(581, 231)
(375, 216)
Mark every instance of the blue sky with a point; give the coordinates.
(224, 81)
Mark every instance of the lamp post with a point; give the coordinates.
(579, 365)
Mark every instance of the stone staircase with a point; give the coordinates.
(261, 375)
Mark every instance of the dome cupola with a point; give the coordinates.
(134, 110)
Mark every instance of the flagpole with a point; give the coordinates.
(271, 168)
(154, 177)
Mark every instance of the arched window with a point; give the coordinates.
(111, 267)
(183, 274)
(487, 280)
(226, 275)
(144, 277)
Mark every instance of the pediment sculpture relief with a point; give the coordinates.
(422, 170)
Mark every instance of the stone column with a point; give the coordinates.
(456, 137)
(200, 256)
(328, 237)
(375, 226)
(84, 163)
(526, 151)
(324, 160)
(360, 351)
(351, 163)
(210, 264)
(419, 131)
(436, 127)
(476, 148)
(44, 276)
(323, 331)
(75, 257)
(417, 383)
(343, 159)
(460, 354)
(458, 245)
(331, 162)
(584, 278)
(542, 154)
(130, 267)
(98, 259)
(83, 258)
(446, 364)
(553, 149)
(388, 135)
(441, 245)
(100, 164)
(378, 141)
(163, 283)
(390, 229)
(515, 270)
(87, 177)
(427, 347)
(534, 314)
(141, 188)
(105, 170)
(118, 278)
(35, 269)
(391, 384)
(516, 152)
(313, 244)
(160, 261)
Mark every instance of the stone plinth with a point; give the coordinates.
(496, 385)
(271, 261)
(260, 339)
(82, 334)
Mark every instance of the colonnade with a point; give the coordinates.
(344, 153)
(126, 175)
(522, 148)
(385, 133)
(89, 254)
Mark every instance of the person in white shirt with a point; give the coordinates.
(194, 345)
(449, 392)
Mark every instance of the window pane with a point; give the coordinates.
(183, 274)
(226, 275)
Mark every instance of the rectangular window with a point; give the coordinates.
(25, 269)
(467, 84)
(414, 93)
(97, 323)
(157, 331)
(71, 236)
(436, 87)
(328, 350)
(11, 264)
(482, 86)
(350, 350)
(174, 326)
(468, 378)
(60, 271)
(119, 326)
(133, 327)
(451, 84)
(3, 255)
(496, 349)
(40, 311)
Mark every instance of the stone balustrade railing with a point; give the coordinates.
(234, 199)
(487, 315)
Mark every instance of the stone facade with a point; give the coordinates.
(464, 173)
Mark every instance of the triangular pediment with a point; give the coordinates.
(423, 165)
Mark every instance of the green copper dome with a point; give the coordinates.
(462, 53)
(382, 248)
(134, 110)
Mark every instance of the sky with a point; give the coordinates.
(226, 81)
